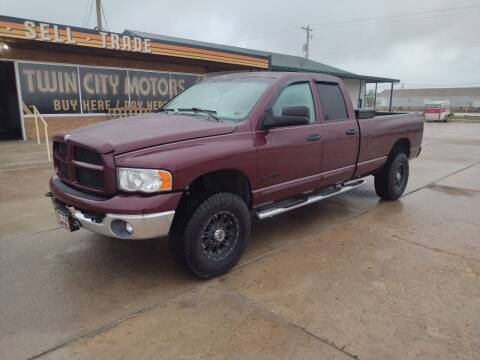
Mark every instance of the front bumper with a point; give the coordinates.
(146, 226)
(149, 216)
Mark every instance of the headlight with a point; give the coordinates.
(144, 180)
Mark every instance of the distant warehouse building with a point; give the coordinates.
(75, 76)
(461, 99)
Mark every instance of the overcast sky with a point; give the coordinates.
(422, 42)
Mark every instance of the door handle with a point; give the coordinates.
(313, 137)
(351, 132)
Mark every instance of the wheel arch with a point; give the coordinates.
(402, 145)
(225, 180)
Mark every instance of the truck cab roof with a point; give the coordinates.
(277, 75)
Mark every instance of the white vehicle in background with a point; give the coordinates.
(437, 110)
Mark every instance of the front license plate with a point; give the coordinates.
(64, 219)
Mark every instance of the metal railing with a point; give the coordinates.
(127, 111)
(36, 114)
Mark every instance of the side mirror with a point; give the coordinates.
(291, 116)
(300, 111)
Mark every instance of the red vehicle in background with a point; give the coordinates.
(229, 149)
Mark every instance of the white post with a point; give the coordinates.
(36, 126)
(47, 142)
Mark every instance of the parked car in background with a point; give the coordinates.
(228, 149)
(437, 110)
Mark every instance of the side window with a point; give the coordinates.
(295, 95)
(333, 104)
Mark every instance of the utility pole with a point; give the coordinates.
(306, 46)
(99, 15)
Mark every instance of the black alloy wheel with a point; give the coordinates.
(220, 236)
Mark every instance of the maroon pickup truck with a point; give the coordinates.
(231, 148)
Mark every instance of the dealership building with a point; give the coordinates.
(75, 76)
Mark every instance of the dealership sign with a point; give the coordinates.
(67, 89)
(29, 30)
(59, 34)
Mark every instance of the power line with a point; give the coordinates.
(105, 17)
(459, 10)
(85, 12)
(87, 20)
(269, 34)
(382, 19)
(371, 51)
(389, 21)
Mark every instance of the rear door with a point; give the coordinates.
(340, 134)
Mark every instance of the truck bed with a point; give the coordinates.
(378, 133)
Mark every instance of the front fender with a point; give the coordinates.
(187, 160)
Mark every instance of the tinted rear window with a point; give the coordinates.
(333, 104)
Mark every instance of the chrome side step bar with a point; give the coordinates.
(308, 200)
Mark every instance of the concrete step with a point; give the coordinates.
(20, 154)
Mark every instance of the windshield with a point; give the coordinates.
(225, 98)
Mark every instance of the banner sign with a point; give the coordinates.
(152, 90)
(103, 89)
(53, 89)
(149, 89)
(128, 42)
(65, 89)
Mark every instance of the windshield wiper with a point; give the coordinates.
(165, 109)
(210, 113)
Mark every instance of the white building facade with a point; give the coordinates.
(461, 99)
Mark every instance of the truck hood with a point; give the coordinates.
(139, 132)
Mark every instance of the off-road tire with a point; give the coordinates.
(389, 185)
(193, 239)
(183, 213)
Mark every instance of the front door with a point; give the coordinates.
(288, 158)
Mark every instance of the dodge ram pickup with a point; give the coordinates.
(230, 149)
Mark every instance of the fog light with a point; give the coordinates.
(121, 229)
(5, 46)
